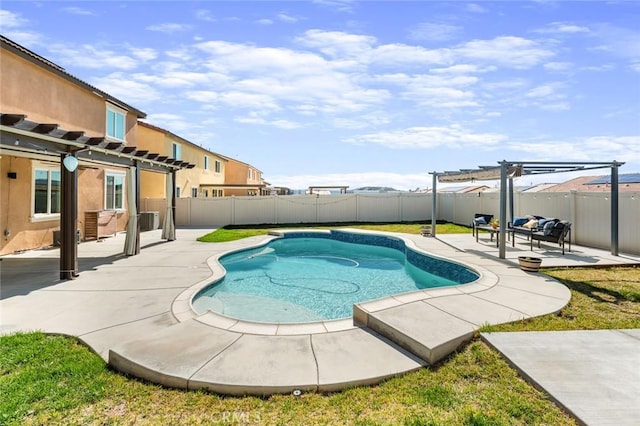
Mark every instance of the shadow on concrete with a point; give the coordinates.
(19, 277)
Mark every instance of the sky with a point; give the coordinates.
(361, 93)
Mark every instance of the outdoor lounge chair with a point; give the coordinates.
(518, 226)
(556, 232)
(480, 219)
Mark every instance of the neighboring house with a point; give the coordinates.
(464, 189)
(375, 189)
(49, 115)
(202, 180)
(627, 182)
(242, 179)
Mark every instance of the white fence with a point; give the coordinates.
(589, 213)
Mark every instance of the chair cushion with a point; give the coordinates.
(480, 220)
(519, 221)
(548, 227)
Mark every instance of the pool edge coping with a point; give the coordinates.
(182, 308)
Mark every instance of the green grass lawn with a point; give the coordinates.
(48, 379)
(235, 233)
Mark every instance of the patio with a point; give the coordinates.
(130, 310)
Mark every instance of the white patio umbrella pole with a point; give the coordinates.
(132, 224)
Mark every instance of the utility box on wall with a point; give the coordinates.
(149, 221)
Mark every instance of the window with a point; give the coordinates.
(46, 191)
(194, 192)
(206, 193)
(177, 192)
(177, 152)
(249, 174)
(217, 193)
(115, 123)
(114, 191)
(206, 162)
(217, 166)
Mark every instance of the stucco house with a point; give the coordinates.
(66, 151)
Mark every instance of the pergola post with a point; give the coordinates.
(434, 194)
(68, 217)
(503, 209)
(137, 189)
(511, 199)
(614, 208)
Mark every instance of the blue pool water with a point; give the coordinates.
(312, 276)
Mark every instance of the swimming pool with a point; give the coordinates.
(317, 276)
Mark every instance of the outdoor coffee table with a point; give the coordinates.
(491, 230)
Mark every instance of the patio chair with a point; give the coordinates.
(480, 219)
(555, 232)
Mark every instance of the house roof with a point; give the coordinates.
(34, 58)
(464, 189)
(626, 183)
(181, 139)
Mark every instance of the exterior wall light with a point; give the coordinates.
(70, 163)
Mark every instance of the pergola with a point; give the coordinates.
(507, 170)
(25, 138)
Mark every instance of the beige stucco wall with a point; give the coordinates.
(48, 98)
(25, 233)
(237, 173)
(156, 140)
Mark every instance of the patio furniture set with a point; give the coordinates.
(535, 228)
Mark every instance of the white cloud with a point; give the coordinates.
(508, 51)
(11, 20)
(144, 54)
(337, 44)
(264, 21)
(78, 11)
(123, 87)
(621, 42)
(545, 91)
(205, 15)
(592, 148)
(559, 66)
(169, 27)
(429, 137)
(562, 28)
(435, 32)
(174, 123)
(339, 5)
(285, 17)
(91, 56)
(475, 8)
(281, 124)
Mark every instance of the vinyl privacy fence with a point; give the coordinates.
(589, 213)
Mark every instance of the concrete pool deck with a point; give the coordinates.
(132, 312)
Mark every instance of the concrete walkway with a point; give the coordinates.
(135, 313)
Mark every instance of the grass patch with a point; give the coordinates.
(474, 386)
(231, 233)
(601, 298)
